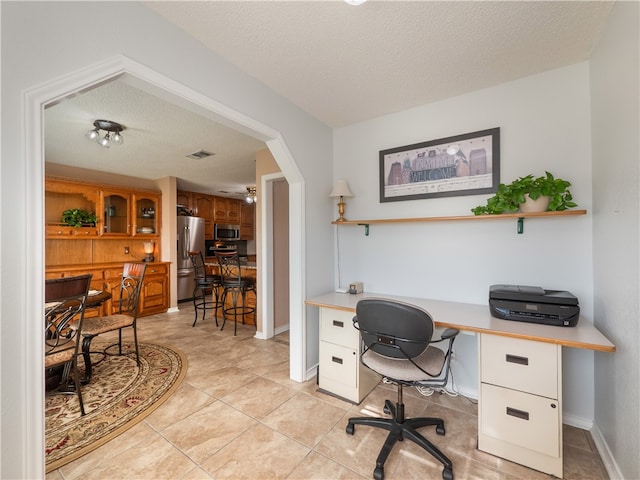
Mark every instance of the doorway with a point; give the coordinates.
(37, 99)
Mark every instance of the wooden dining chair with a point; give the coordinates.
(63, 321)
(126, 317)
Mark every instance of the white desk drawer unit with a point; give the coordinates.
(340, 370)
(519, 407)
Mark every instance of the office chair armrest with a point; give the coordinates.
(448, 333)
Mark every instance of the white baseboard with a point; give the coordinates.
(281, 329)
(173, 310)
(312, 372)
(609, 462)
(578, 422)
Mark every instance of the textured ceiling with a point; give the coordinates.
(340, 63)
(345, 64)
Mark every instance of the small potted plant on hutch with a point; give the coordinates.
(79, 218)
(529, 194)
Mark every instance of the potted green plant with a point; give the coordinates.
(514, 196)
(78, 218)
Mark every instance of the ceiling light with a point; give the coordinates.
(112, 133)
(355, 2)
(250, 197)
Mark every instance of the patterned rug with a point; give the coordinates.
(119, 395)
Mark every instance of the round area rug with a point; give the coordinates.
(118, 396)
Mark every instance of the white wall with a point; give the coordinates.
(43, 41)
(615, 82)
(545, 125)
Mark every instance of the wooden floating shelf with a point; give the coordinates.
(520, 216)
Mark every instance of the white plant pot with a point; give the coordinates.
(534, 206)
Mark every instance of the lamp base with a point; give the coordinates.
(148, 258)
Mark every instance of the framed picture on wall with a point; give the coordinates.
(467, 164)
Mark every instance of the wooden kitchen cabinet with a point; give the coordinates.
(226, 210)
(116, 211)
(63, 195)
(185, 199)
(247, 221)
(221, 205)
(154, 295)
(204, 208)
(203, 205)
(146, 214)
(121, 212)
(233, 211)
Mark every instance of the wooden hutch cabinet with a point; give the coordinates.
(127, 218)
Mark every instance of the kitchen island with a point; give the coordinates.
(247, 269)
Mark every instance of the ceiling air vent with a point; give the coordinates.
(200, 154)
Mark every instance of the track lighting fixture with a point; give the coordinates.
(112, 133)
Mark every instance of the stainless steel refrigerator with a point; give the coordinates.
(190, 239)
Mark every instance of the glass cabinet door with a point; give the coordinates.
(116, 214)
(146, 215)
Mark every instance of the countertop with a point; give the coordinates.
(212, 262)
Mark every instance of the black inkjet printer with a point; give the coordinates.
(534, 305)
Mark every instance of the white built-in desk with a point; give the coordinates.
(520, 371)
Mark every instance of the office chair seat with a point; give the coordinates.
(397, 340)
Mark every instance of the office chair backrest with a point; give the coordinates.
(393, 329)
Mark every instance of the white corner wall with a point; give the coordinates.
(615, 84)
(545, 125)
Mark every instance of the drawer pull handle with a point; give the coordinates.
(514, 412)
(337, 323)
(516, 359)
(336, 360)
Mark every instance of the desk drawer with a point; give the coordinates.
(336, 326)
(522, 419)
(338, 364)
(520, 364)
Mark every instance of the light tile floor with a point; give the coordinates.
(238, 416)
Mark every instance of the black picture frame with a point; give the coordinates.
(432, 169)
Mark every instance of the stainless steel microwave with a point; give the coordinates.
(226, 232)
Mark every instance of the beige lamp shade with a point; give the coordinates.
(341, 189)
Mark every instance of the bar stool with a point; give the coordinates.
(205, 283)
(235, 284)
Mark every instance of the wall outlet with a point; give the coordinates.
(126, 250)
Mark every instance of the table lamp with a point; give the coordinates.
(341, 190)
(149, 247)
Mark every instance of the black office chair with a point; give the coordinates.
(397, 340)
(235, 284)
(204, 284)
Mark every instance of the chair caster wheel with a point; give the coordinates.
(447, 474)
(350, 428)
(440, 430)
(378, 473)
